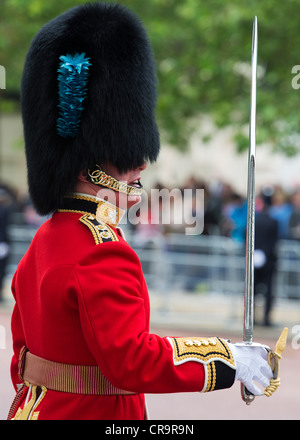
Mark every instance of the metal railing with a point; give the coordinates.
(201, 263)
(191, 263)
(214, 264)
(287, 278)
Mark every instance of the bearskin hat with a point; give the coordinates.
(88, 95)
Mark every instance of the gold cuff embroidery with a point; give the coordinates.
(211, 377)
(203, 350)
(213, 353)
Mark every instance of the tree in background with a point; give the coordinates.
(203, 55)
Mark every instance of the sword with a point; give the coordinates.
(250, 233)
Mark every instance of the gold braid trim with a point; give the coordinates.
(211, 377)
(101, 232)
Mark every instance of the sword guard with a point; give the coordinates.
(273, 359)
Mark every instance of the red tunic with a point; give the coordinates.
(83, 303)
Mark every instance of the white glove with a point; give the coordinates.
(252, 365)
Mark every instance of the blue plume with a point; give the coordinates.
(72, 81)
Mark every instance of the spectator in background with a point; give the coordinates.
(281, 211)
(266, 237)
(206, 206)
(294, 223)
(5, 210)
(31, 217)
(149, 230)
(235, 218)
(239, 219)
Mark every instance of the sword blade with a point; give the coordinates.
(250, 233)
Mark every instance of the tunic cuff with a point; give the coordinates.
(213, 353)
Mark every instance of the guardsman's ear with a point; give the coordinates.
(82, 176)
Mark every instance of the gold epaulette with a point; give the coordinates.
(102, 233)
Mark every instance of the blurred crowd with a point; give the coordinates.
(17, 209)
(225, 210)
(224, 213)
(222, 209)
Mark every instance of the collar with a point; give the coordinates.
(104, 211)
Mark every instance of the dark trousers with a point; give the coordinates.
(263, 285)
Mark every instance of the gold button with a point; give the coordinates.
(91, 217)
(212, 341)
(196, 343)
(188, 342)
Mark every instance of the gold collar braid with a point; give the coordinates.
(99, 177)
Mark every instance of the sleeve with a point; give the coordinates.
(107, 286)
(18, 339)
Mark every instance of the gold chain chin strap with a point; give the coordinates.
(273, 359)
(99, 177)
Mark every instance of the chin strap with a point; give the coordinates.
(273, 359)
(99, 177)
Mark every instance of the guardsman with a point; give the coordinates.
(80, 326)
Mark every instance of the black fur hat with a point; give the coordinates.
(115, 120)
